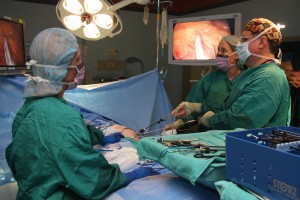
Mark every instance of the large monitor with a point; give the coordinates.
(12, 46)
(194, 41)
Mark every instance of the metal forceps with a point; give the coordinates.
(202, 155)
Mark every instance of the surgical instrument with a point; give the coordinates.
(202, 155)
(157, 122)
(142, 131)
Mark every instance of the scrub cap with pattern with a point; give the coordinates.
(258, 25)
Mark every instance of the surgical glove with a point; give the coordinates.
(111, 138)
(204, 120)
(138, 173)
(185, 109)
(177, 124)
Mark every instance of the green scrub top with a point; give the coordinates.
(214, 88)
(260, 99)
(52, 156)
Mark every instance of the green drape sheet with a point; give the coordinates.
(184, 164)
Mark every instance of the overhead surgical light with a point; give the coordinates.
(92, 19)
(280, 26)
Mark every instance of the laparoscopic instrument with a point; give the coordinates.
(164, 118)
(143, 131)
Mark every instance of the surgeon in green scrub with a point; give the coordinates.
(51, 155)
(261, 97)
(213, 88)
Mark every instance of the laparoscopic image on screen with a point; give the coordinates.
(11, 43)
(199, 39)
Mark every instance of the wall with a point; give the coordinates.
(139, 40)
(136, 39)
(279, 11)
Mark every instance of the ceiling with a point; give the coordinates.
(175, 7)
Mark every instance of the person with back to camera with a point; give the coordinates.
(213, 88)
(51, 154)
(291, 66)
(261, 97)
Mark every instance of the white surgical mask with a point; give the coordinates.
(244, 53)
(71, 85)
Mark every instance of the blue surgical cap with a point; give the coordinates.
(54, 48)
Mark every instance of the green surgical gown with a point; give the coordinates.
(260, 99)
(214, 88)
(51, 154)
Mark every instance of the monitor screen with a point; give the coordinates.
(12, 46)
(194, 41)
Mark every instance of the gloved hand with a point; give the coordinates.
(177, 124)
(185, 109)
(111, 138)
(138, 173)
(204, 120)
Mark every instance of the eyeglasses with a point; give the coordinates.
(245, 39)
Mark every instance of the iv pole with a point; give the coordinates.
(157, 33)
(158, 29)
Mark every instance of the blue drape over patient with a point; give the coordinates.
(136, 103)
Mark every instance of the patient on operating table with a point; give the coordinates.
(125, 131)
(107, 126)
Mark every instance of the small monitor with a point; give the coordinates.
(194, 41)
(12, 46)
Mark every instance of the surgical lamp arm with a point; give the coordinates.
(124, 3)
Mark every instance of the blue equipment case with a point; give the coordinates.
(253, 164)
